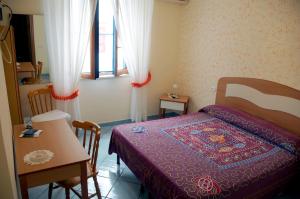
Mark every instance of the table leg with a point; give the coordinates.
(24, 187)
(83, 177)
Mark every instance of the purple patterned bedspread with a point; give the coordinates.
(216, 153)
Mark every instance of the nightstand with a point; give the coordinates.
(180, 104)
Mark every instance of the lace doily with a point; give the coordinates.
(38, 157)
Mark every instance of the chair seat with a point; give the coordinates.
(51, 115)
(71, 182)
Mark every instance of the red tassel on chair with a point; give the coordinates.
(63, 98)
(139, 85)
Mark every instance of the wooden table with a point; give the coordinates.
(70, 158)
(178, 104)
(26, 67)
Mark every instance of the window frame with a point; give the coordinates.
(94, 63)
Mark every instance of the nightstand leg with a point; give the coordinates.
(185, 109)
(162, 112)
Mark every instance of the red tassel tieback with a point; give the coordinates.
(64, 98)
(139, 85)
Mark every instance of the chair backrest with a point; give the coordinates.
(93, 139)
(40, 101)
(38, 70)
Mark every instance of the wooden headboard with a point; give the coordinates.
(265, 99)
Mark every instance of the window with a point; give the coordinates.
(105, 54)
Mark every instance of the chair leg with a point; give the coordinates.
(67, 191)
(50, 190)
(97, 186)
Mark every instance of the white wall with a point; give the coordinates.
(7, 174)
(39, 42)
(105, 99)
(26, 6)
(257, 39)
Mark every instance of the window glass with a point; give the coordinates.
(108, 52)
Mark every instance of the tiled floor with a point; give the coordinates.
(116, 182)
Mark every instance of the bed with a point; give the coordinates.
(241, 147)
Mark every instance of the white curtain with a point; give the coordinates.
(134, 22)
(68, 24)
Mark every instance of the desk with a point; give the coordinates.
(69, 159)
(26, 67)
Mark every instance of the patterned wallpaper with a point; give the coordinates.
(249, 38)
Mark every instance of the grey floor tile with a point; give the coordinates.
(105, 185)
(37, 192)
(111, 160)
(41, 192)
(128, 176)
(124, 190)
(58, 193)
(109, 169)
(100, 159)
(102, 155)
(108, 174)
(105, 134)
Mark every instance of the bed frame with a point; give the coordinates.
(265, 99)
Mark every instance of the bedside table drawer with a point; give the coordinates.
(172, 105)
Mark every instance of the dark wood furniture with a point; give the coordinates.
(37, 75)
(92, 147)
(70, 159)
(10, 70)
(26, 67)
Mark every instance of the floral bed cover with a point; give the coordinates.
(218, 152)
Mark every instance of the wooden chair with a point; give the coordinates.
(37, 76)
(93, 143)
(41, 104)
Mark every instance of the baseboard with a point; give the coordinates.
(151, 117)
